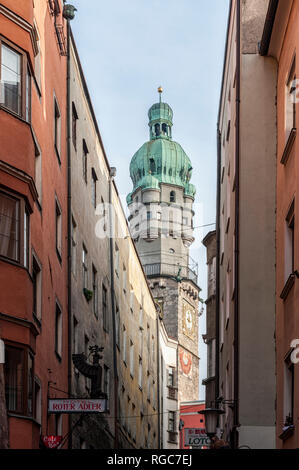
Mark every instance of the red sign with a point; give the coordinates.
(52, 442)
(77, 405)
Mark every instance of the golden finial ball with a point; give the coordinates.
(160, 89)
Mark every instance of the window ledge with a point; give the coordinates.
(289, 146)
(287, 432)
(288, 286)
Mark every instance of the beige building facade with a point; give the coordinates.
(112, 305)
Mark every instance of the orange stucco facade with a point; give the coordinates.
(28, 27)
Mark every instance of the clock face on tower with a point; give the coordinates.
(188, 320)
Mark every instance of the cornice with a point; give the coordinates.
(19, 21)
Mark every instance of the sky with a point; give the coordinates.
(127, 50)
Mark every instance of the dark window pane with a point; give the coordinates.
(14, 379)
(9, 227)
(11, 79)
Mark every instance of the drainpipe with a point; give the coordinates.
(237, 218)
(69, 228)
(218, 254)
(158, 381)
(111, 238)
(69, 14)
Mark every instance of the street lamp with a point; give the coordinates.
(211, 418)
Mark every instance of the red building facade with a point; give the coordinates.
(33, 216)
(191, 419)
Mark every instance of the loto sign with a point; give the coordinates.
(77, 405)
(196, 438)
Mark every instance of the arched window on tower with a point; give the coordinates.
(172, 196)
(157, 130)
(164, 129)
(152, 166)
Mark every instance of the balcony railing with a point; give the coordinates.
(185, 272)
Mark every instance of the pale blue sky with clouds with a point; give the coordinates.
(130, 47)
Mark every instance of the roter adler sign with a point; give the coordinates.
(77, 405)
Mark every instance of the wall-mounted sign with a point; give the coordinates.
(77, 405)
(196, 438)
(51, 442)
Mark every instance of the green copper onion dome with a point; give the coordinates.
(161, 160)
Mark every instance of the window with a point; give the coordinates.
(140, 373)
(37, 288)
(84, 161)
(131, 299)
(11, 79)
(37, 400)
(74, 246)
(290, 100)
(117, 326)
(105, 308)
(58, 424)
(131, 358)
(289, 242)
(95, 290)
(58, 214)
(172, 196)
(57, 129)
(84, 268)
(124, 279)
(116, 259)
(152, 166)
(74, 125)
(211, 358)
(14, 229)
(38, 172)
(171, 421)
(18, 371)
(94, 179)
(148, 338)
(227, 294)
(289, 388)
(75, 336)
(58, 331)
(170, 379)
(141, 318)
(124, 344)
(106, 380)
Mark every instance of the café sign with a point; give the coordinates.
(196, 438)
(77, 405)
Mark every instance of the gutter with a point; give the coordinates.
(268, 28)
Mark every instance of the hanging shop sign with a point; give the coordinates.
(52, 442)
(77, 405)
(196, 438)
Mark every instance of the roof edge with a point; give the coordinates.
(268, 27)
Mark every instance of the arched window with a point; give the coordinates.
(157, 130)
(152, 166)
(164, 128)
(172, 196)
